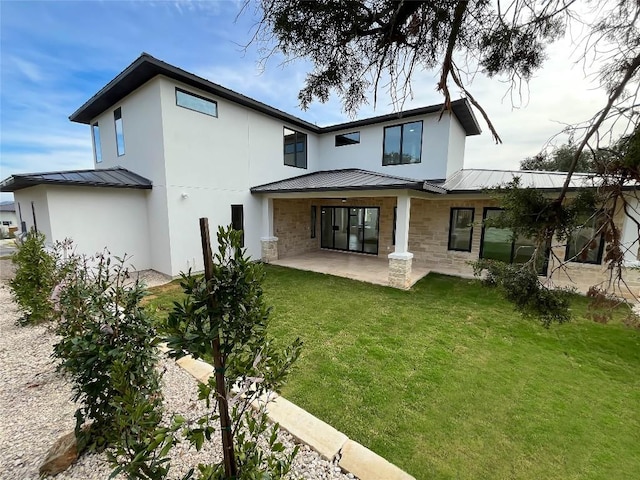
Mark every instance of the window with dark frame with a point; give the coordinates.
(295, 148)
(402, 144)
(344, 139)
(237, 220)
(461, 229)
(117, 119)
(196, 102)
(314, 218)
(97, 145)
(586, 245)
(497, 243)
(395, 219)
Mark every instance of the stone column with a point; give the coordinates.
(400, 270)
(269, 249)
(401, 259)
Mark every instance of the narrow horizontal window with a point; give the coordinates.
(196, 102)
(97, 145)
(461, 229)
(347, 139)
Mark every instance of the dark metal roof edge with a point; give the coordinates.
(176, 73)
(400, 186)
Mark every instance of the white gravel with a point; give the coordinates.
(35, 410)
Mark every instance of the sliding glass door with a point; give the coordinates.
(353, 229)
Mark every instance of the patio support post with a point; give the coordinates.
(401, 259)
(268, 241)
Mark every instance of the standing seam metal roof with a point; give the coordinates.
(116, 177)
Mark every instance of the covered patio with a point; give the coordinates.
(365, 268)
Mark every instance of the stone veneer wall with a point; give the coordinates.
(292, 222)
(429, 237)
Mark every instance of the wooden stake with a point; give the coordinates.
(230, 466)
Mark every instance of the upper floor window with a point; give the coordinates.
(461, 229)
(343, 139)
(97, 146)
(196, 102)
(586, 244)
(117, 118)
(295, 148)
(402, 144)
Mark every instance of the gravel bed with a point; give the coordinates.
(35, 410)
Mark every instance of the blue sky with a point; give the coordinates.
(55, 55)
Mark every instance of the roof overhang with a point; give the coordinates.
(111, 177)
(146, 67)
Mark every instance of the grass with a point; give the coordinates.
(448, 382)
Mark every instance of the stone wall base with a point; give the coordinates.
(400, 270)
(269, 249)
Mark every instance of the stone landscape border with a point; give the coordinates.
(318, 435)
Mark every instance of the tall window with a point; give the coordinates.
(237, 220)
(313, 220)
(117, 118)
(295, 148)
(499, 244)
(402, 144)
(461, 229)
(196, 102)
(97, 146)
(585, 244)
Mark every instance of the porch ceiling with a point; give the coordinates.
(364, 268)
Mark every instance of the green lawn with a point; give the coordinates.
(448, 382)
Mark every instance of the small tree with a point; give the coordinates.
(224, 317)
(34, 279)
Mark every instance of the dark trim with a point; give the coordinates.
(395, 220)
(333, 208)
(117, 115)
(402, 125)
(473, 213)
(96, 126)
(406, 186)
(313, 220)
(238, 209)
(33, 212)
(147, 67)
(187, 92)
(295, 151)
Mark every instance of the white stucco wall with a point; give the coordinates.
(6, 216)
(455, 153)
(211, 163)
(367, 155)
(144, 155)
(36, 196)
(97, 218)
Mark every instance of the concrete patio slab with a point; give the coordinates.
(366, 465)
(364, 268)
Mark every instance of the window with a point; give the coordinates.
(237, 220)
(196, 102)
(295, 148)
(395, 219)
(498, 243)
(461, 229)
(6, 222)
(347, 139)
(585, 244)
(402, 144)
(97, 146)
(117, 118)
(313, 221)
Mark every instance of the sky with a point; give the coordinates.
(54, 55)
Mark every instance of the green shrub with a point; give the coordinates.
(35, 277)
(107, 347)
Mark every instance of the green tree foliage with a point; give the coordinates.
(34, 280)
(559, 160)
(230, 308)
(107, 348)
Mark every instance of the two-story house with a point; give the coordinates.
(171, 147)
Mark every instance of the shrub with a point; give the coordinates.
(34, 280)
(107, 347)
